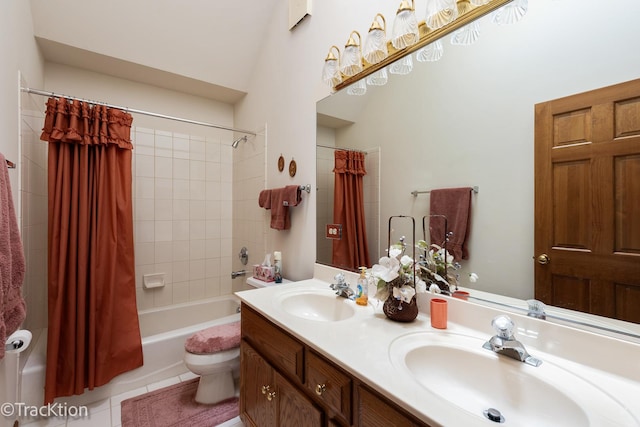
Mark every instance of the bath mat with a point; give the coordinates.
(175, 406)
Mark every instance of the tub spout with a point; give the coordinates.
(235, 274)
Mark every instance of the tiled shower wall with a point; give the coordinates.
(183, 216)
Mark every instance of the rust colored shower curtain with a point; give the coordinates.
(93, 326)
(352, 250)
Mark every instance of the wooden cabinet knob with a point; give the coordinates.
(271, 396)
(320, 388)
(265, 389)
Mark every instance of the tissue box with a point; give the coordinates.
(264, 273)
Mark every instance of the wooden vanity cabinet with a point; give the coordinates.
(283, 382)
(268, 399)
(375, 411)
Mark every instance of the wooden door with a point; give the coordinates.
(587, 201)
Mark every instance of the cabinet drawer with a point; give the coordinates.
(281, 350)
(329, 384)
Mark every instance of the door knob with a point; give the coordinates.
(543, 259)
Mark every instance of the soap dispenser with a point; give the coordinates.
(362, 289)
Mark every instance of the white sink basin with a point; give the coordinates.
(456, 368)
(315, 305)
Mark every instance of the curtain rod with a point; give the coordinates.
(133, 110)
(345, 149)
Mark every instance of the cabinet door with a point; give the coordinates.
(294, 408)
(329, 384)
(257, 385)
(373, 411)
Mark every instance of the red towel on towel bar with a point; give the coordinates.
(455, 205)
(279, 200)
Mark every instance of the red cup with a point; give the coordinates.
(438, 313)
(461, 295)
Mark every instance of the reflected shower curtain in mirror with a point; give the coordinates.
(93, 331)
(351, 250)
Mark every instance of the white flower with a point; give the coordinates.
(404, 293)
(435, 289)
(386, 269)
(406, 261)
(394, 251)
(473, 277)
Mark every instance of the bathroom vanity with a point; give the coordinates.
(311, 358)
(285, 382)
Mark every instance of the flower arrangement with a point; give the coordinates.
(395, 275)
(438, 269)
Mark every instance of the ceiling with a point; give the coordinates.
(202, 47)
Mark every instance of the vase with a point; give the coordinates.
(400, 311)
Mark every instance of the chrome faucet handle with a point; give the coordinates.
(536, 309)
(503, 326)
(340, 281)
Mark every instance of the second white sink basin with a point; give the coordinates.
(317, 306)
(457, 369)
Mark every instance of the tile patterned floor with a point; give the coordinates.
(106, 413)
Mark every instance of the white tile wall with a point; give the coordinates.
(181, 227)
(32, 167)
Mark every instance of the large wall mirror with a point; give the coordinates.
(468, 120)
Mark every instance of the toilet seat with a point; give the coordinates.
(211, 359)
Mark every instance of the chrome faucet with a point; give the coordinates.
(342, 287)
(235, 274)
(505, 342)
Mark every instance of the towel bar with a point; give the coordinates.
(415, 193)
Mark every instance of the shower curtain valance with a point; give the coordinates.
(83, 123)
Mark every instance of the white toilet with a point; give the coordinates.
(214, 355)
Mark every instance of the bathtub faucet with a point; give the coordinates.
(235, 274)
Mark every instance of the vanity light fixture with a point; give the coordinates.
(431, 52)
(405, 30)
(440, 13)
(444, 17)
(358, 88)
(331, 71)
(351, 61)
(379, 78)
(375, 45)
(403, 66)
(511, 13)
(466, 35)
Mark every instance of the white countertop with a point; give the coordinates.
(361, 343)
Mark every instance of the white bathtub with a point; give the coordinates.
(164, 331)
